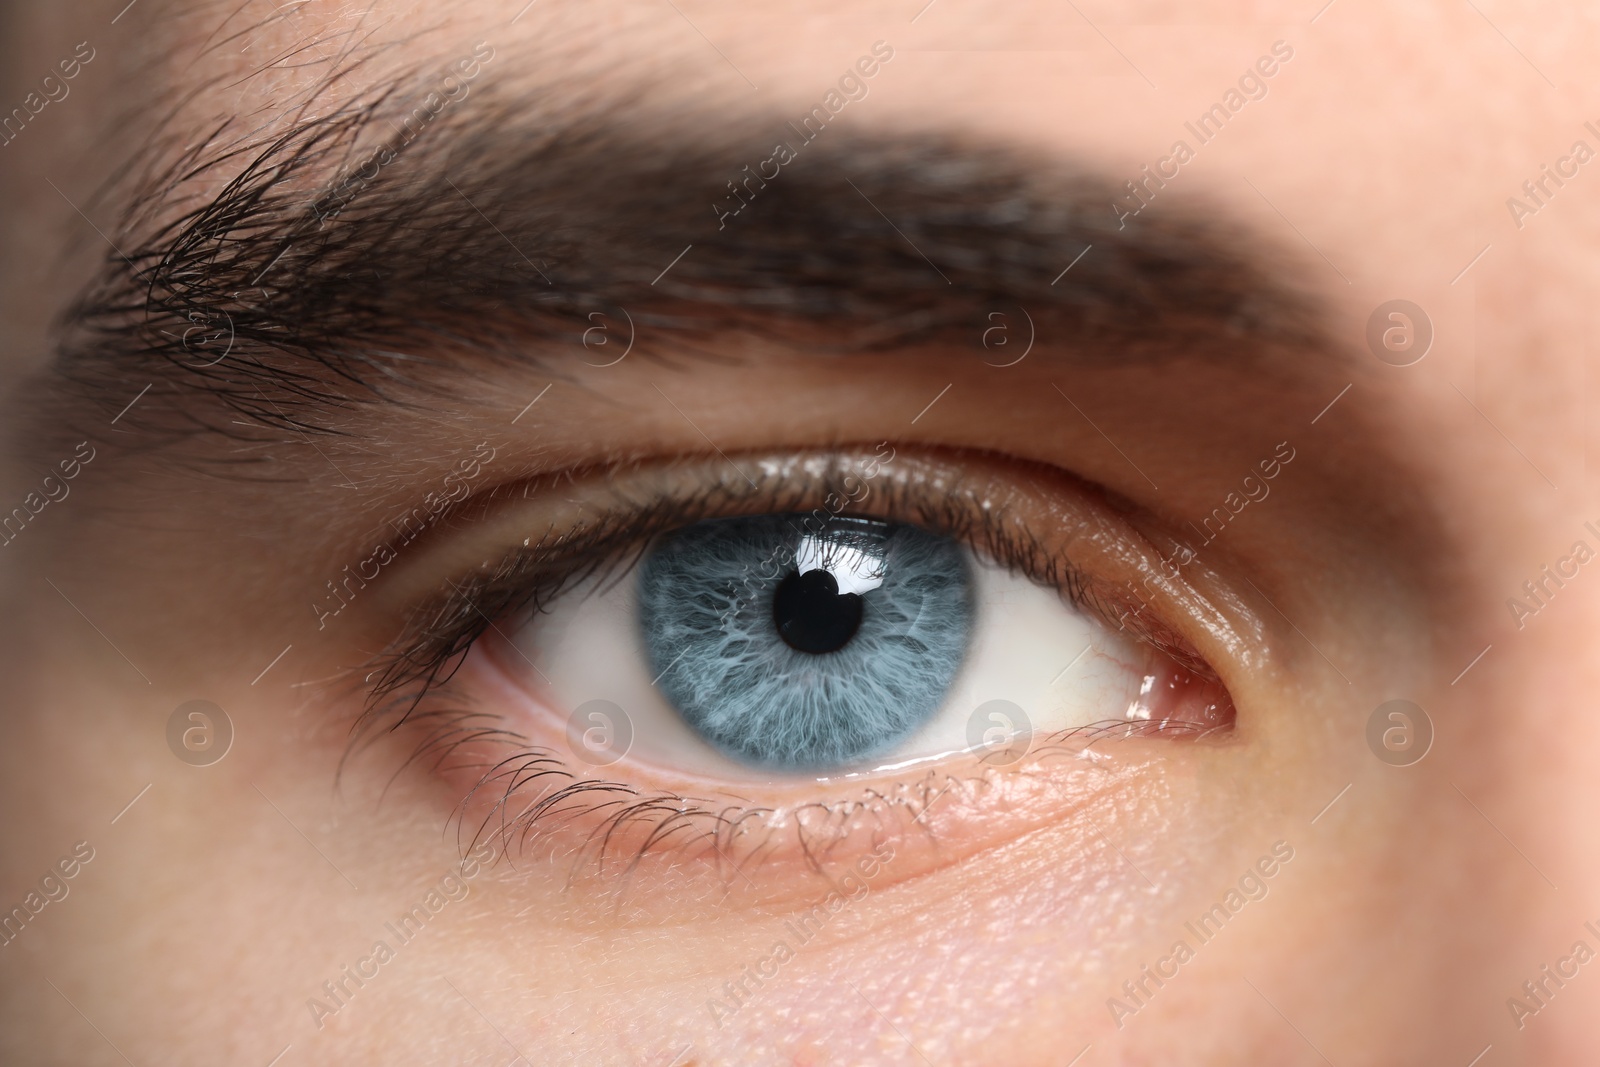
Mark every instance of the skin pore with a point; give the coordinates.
(339, 377)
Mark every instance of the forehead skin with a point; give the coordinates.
(1382, 157)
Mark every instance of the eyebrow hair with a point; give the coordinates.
(354, 256)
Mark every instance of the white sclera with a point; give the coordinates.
(1063, 668)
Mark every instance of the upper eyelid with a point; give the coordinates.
(442, 627)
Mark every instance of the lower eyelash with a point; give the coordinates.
(536, 796)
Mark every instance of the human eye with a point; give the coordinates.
(754, 660)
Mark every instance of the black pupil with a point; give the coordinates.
(812, 615)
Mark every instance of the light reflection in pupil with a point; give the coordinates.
(812, 615)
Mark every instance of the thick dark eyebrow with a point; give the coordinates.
(357, 256)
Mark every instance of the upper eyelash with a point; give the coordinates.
(529, 577)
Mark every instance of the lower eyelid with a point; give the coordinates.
(601, 832)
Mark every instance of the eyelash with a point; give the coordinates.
(532, 576)
(409, 684)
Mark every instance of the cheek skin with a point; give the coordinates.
(1031, 925)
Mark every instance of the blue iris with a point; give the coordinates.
(796, 643)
